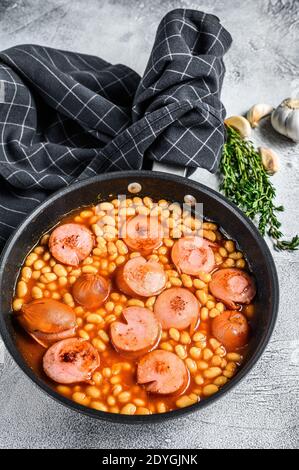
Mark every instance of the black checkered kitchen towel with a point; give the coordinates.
(66, 116)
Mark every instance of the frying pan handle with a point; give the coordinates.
(167, 168)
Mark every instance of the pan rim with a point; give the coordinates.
(138, 419)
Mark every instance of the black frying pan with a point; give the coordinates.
(157, 185)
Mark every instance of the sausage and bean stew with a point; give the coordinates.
(134, 306)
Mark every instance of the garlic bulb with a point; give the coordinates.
(257, 112)
(285, 119)
(269, 160)
(240, 124)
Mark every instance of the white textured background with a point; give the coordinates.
(262, 66)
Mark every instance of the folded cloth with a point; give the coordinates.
(66, 116)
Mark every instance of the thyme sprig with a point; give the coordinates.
(245, 182)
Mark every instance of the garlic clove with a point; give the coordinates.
(269, 159)
(257, 112)
(240, 124)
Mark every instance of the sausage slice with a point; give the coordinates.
(139, 334)
(178, 308)
(70, 361)
(232, 285)
(192, 255)
(47, 340)
(48, 320)
(142, 233)
(231, 329)
(71, 243)
(91, 290)
(141, 277)
(162, 372)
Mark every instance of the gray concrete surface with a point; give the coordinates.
(262, 66)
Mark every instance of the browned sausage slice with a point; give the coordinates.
(177, 307)
(231, 329)
(139, 334)
(48, 320)
(141, 277)
(142, 233)
(192, 255)
(71, 243)
(91, 290)
(232, 285)
(70, 361)
(47, 339)
(162, 372)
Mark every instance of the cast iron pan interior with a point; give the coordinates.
(157, 185)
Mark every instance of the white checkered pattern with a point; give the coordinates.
(66, 116)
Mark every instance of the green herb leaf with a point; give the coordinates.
(245, 182)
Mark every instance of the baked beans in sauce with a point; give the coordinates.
(129, 316)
